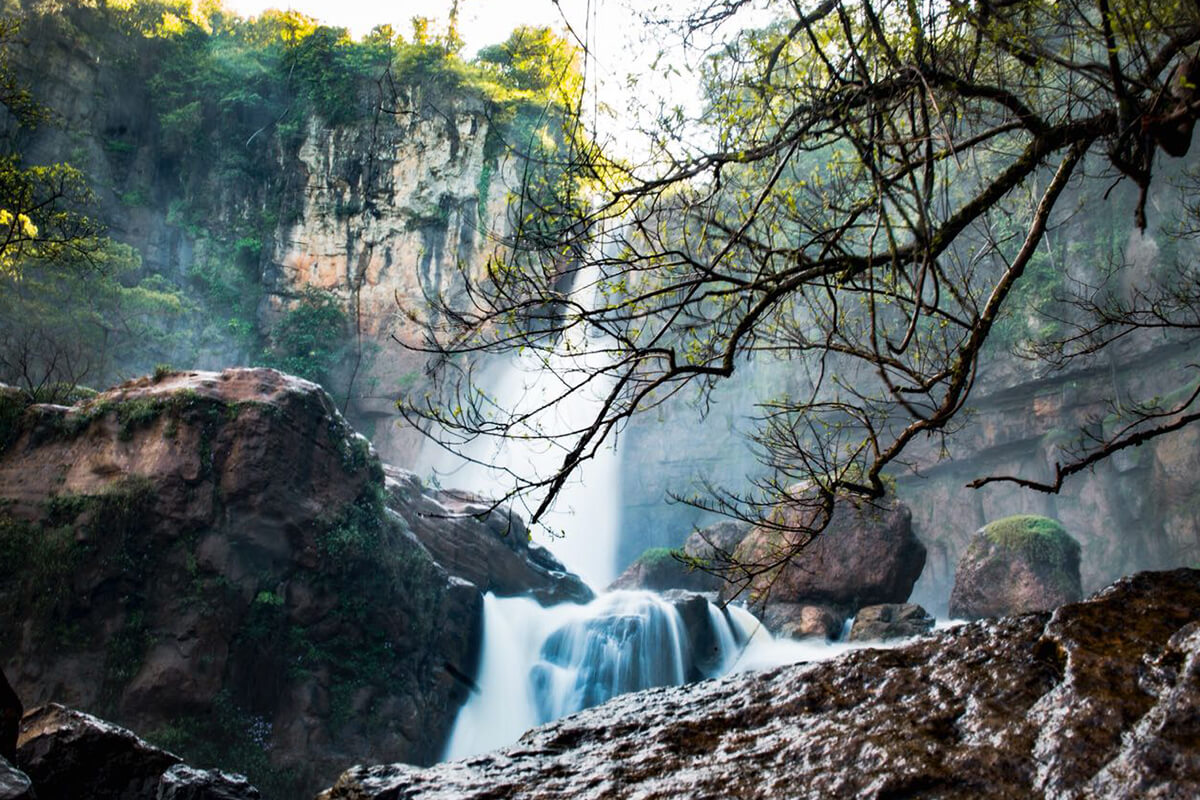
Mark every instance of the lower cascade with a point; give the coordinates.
(542, 663)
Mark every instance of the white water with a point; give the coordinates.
(581, 529)
(543, 663)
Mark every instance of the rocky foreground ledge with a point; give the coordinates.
(1100, 699)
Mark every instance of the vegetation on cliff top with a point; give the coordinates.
(229, 101)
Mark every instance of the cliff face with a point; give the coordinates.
(391, 212)
(389, 206)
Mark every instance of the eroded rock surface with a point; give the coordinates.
(1097, 700)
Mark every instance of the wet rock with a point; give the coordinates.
(182, 782)
(68, 754)
(704, 656)
(1016, 565)
(489, 548)
(10, 718)
(1097, 700)
(14, 784)
(1078, 704)
(890, 621)
(801, 621)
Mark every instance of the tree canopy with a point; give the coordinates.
(877, 194)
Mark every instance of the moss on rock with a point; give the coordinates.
(1016, 565)
(1040, 539)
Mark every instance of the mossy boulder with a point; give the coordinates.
(1016, 565)
(663, 568)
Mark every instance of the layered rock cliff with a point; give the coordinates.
(251, 199)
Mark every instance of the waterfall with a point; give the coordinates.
(581, 528)
(543, 663)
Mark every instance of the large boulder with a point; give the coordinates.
(890, 621)
(69, 754)
(487, 546)
(1016, 565)
(1097, 700)
(867, 555)
(207, 558)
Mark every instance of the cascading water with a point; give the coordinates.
(543, 663)
(581, 529)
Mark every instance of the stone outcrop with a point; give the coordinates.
(890, 621)
(1096, 700)
(697, 567)
(67, 754)
(1015, 565)
(866, 555)
(704, 657)
(488, 548)
(208, 559)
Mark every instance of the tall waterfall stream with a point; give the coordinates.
(540, 663)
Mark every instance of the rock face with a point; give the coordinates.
(494, 553)
(1015, 565)
(867, 555)
(208, 559)
(890, 621)
(68, 754)
(1096, 700)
